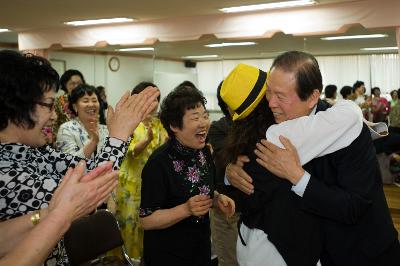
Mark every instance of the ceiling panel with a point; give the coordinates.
(22, 15)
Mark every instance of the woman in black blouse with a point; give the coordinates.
(30, 171)
(178, 186)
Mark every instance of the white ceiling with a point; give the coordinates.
(22, 15)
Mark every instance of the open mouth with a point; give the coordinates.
(201, 136)
(277, 115)
(91, 111)
(47, 130)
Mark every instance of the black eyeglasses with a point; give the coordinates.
(50, 106)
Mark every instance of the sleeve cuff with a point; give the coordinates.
(226, 181)
(301, 186)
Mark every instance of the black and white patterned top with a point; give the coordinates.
(29, 177)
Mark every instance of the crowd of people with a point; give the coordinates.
(283, 178)
(376, 109)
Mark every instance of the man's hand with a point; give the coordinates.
(237, 177)
(284, 163)
(226, 205)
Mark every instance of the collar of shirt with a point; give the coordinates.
(314, 110)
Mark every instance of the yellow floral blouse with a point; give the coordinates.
(128, 190)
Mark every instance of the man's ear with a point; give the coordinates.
(174, 129)
(313, 99)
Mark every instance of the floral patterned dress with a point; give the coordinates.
(29, 177)
(171, 176)
(130, 181)
(72, 137)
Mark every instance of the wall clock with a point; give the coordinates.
(114, 64)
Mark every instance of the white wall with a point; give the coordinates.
(345, 70)
(96, 72)
(131, 72)
(166, 74)
(91, 66)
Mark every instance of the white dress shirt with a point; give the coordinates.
(319, 134)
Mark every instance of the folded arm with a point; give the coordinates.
(322, 133)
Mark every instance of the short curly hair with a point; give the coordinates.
(24, 78)
(173, 106)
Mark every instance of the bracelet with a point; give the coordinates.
(35, 217)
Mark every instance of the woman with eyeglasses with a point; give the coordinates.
(71, 200)
(83, 136)
(30, 170)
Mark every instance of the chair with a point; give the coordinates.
(90, 237)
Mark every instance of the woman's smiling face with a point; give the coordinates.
(195, 126)
(44, 116)
(87, 107)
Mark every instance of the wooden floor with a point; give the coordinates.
(392, 193)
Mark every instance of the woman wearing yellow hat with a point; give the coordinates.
(274, 230)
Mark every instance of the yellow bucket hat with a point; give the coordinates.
(243, 89)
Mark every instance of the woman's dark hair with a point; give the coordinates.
(80, 91)
(67, 76)
(23, 81)
(306, 69)
(143, 85)
(245, 133)
(357, 84)
(174, 106)
(187, 83)
(101, 89)
(345, 91)
(374, 89)
(330, 91)
(222, 105)
(393, 91)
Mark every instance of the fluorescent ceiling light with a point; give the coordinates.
(98, 21)
(214, 45)
(379, 48)
(4, 30)
(200, 56)
(268, 6)
(348, 37)
(136, 49)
